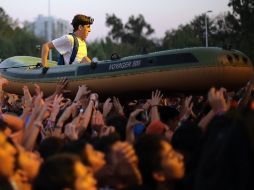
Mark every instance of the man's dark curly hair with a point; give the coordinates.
(81, 20)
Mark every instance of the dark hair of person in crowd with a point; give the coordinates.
(148, 149)
(119, 123)
(229, 150)
(56, 173)
(104, 143)
(160, 165)
(50, 146)
(77, 147)
(169, 116)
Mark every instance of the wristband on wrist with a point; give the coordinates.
(154, 105)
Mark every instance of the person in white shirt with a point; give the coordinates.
(64, 45)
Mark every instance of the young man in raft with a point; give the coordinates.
(71, 47)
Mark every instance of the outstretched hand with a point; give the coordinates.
(217, 100)
(107, 106)
(61, 85)
(186, 108)
(156, 98)
(117, 105)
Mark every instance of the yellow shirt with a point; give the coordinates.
(64, 46)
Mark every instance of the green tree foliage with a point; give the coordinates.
(183, 36)
(15, 40)
(243, 15)
(225, 33)
(188, 35)
(129, 38)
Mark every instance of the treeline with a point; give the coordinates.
(233, 29)
(15, 40)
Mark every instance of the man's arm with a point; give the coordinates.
(45, 52)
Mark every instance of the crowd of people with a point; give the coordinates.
(160, 143)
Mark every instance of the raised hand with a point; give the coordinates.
(27, 93)
(154, 102)
(117, 105)
(66, 114)
(156, 98)
(71, 131)
(94, 97)
(132, 121)
(217, 100)
(82, 91)
(124, 161)
(106, 130)
(186, 108)
(107, 106)
(61, 85)
(132, 118)
(97, 121)
(37, 89)
(56, 106)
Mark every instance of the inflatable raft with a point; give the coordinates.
(189, 69)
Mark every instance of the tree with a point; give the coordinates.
(243, 15)
(132, 37)
(188, 35)
(15, 40)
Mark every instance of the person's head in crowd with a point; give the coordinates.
(7, 157)
(119, 123)
(169, 116)
(50, 146)
(28, 162)
(64, 172)
(27, 166)
(89, 156)
(7, 162)
(104, 143)
(121, 170)
(159, 163)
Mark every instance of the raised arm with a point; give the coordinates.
(45, 52)
(154, 102)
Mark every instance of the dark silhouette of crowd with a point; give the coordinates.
(199, 142)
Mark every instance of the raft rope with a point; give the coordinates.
(38, 65)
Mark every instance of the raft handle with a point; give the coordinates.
(115, 56)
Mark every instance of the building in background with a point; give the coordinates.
(59, 27)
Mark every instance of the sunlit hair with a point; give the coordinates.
(81, 20)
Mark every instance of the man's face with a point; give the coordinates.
(84, 31)
(172, 162)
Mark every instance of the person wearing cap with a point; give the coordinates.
(64, 45)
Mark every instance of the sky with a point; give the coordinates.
(162, 15)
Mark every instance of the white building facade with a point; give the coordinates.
(50, 28)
